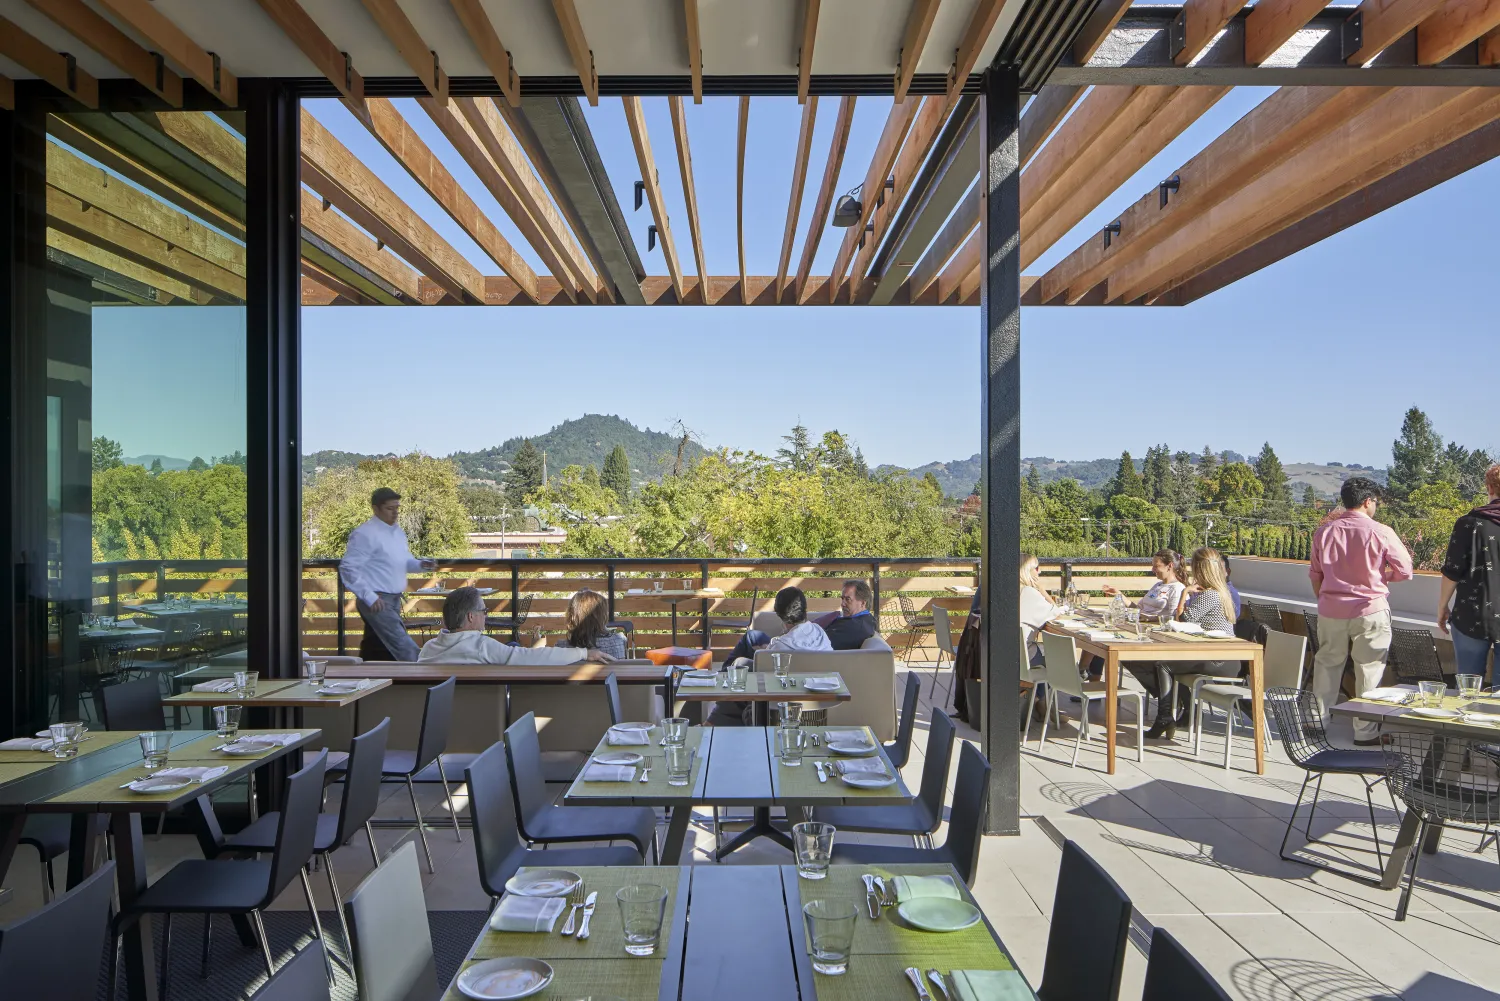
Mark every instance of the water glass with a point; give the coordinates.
(227, 721)
(1469, 684)
(245, 682)
(781, 663)
(315, 671)
(642, 909)
(679, 763)
(65, 737)
(830, 928)
(790, 745)
(790, 714)
(674, 731)
(736, 675)
(813, 843)
(154, 748)
(1431, 693)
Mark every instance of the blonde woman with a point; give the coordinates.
(1210, 606)
(1037, 608)
(587, 622)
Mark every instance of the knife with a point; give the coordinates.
(588, 912)
(938, 982)
(915, 976)
(872, 903)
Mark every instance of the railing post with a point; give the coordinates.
(875, 588)
(338, 590)
(161, 581)
(114, 592)
(1067, 574)
(708, 640)
(515, 602)
(609, 588)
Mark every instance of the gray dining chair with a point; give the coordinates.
(918, 818)
(1283, 669)
(899, 750)
(1061, 656)
(1088, 933)
(1173, 974)
(612, 698)
(965, 826)
(132, 705)
(53, 953)
(497, 840)
(299, 979)
(387, 913)
(48, 834)
(942, 631)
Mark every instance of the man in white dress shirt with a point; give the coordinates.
(376, 561)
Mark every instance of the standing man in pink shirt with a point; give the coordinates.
(1353, 558)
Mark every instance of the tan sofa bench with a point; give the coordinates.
(870, 675)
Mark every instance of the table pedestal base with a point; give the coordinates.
(760, 827)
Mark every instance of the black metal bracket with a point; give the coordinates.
(640, 193)
(161, 70)
(1177, 35)
(70, 67)
(651, 237)
(1168, 187)
(348, 70)
(890, 185)
(1351, 35)
(1111, 231)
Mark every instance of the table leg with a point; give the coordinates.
(1258, 708)
(677, 827)
(137, 940)
(760, 827)
(83, 846)
(1111, 705)
(10, 837)
(674, 623)
(1401, 848)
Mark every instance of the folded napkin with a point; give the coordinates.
(852, 766)
(626, 738)
(1184, 627)
(343, 687)
(831, 679)
(280, 739)
(198, 773)
(222, 685)
(698, 683)
(990, 985)
(1393, 695)
(596, 772)
(1098, 635)
(1219, 634)
(527, 914)
(912, 887)
(846, 737)
(26, 744)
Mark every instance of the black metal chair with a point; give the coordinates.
(1264, 615)
(914, 624)
(497, 841)
(132, 705)
(732, 624)
(520, 612)
(965, 826)
(541, 821)
(1090, 927)
(238, 886)
(393, 958)
(918, 819)
(1299, 723)
(53, 953)
(1414, 657)
(612, 698)
(1310, 626)
(48, 834)
(356, 807)
(899, 750)
(1172, 974)
(299, 979)
(1433, 775)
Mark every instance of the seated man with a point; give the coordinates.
(463, 641)
(791, 609)
(854, 624)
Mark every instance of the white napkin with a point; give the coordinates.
(846, 737)
(912, 887)
(1219, 634)
(626, 738)
(1099, 635)
(831, 679)
(698, 683)
(280, 739)
(596, 772)
(527, 914)
(856, 766)
(26, 744)
(1184, 627)
(198, 773)
(222, 685)
(1393, 695)
(343, 687)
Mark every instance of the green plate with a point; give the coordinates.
(939, 913)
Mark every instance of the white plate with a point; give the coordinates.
(631, 727)
(340, 690)
(853, 750)
(864, 780)
(700, 674)
(1433, 712)
(821, 686)
(244, 747)
(152, 784)
(502, 979)
(619, 758)
(1482, 719)
(543, 883)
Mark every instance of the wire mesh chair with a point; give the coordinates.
(1265, 615)
(1310, 624)
(1436, 777)
(732, 624)
(1299, 722)
(1414, 656)
(914, 624)
(520, 611)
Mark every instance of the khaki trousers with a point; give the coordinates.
(1366, 640)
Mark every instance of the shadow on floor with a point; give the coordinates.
(1274, 979)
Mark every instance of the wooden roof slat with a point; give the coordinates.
(172, 288)
(342, 289)
(494, 53)
(897, 124)
(315, 293)
(1202, 20)
(1452, 26)
(172, 42)
(970, 44)
(958, 226)
(831, 167)
(739, 187)
(1384, 21)
(1268, 134)
(54, 67)
(1272, 23)
(360, 247)
(1489, 48)
(965, 263)
(913, 40)
(805, 50)
(914, 151)
(635, 118)
(100, 34)
(331, 170)
(1075, 138)
(689, 187)
(319, 49)
(578, 48)
(417, 54)
(794, 199)
(694, 48)
(1049, 107)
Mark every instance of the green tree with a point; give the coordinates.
(197, 465)
(617, 473)
(833, 453)
(1234, 488)
(1416, 454)
(1207, 463)
(235, 458)
(525, 472)
(432, 513)
(1157, 475)
(861, 467)
(1309, 496)
(1067, 504)
(155, 467)
(1127, 481)
(107, 454)
(1272, 477)
(484, 504)
(798, 454)
(1033, 480)
(1184, 484)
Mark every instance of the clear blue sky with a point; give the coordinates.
(1319, 354)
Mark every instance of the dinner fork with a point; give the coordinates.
(575, 901)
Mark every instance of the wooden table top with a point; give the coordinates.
(1403, 716)
(626, 672)
(281, 693)
(698, 592)
(765, 688)
(1155, 644)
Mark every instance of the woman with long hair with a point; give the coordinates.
(1171, 578)
(1037, 608)
(1211, 607)
(587, 622)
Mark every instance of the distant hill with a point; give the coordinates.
(332, 458)
(585, 441)
(957, 478)
(1327, 478)
(167, 461)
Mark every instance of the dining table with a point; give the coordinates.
(761, 690)
(674, 596)
(1116, 645)
(736, 933)
(93, 788)
(735, 766)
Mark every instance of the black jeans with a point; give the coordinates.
(1157, 677)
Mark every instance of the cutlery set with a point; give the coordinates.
(943, 984)
(878, 895)
(577, 899)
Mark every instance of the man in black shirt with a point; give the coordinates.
(855, 624)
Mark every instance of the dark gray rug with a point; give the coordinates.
(236, 971)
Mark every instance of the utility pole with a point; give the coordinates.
(544, 468)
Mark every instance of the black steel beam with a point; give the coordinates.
(784, 85)
(1000, 421)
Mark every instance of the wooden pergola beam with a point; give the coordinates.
(1384, 21)
(85, 24)
(635, 118)
(656, 290)
(335, 173)
(417, 54)
(913, 40)
(496, 56)
(794, 199)
(831, 167)
(332, 283)
(739, 186)
(919, 141)
(7, 93)
(578, 48)
(971, 43)
(897, 124)
(1272, 24)
(319, 49)
(1452, 26)
(689, 188)
(1202, 20)
(805, 50)
(964, 264)
(173, 43)
(319, 219)
(108, 260)
(1050, 106)
(694, 48)
(57, 68)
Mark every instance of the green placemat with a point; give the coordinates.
(202, 750)
(606, 939)
(10, 771)
(109, 788)
(630, 978)
(656, 785)
(97, 740)
(883, 976)
(801, 781)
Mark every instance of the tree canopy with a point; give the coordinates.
(525, 472)
(616, 476)
(432, 513)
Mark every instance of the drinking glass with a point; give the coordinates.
(790, 743)
(679, 763)
(642, 908)
(736, 675)
(790, 713)
(813, 843)
(227, 721)
(674, 730)
(830, 927)
(316, 670)
(246, 681)
(154, 748)
(65, 737)
(781, 663)
(1431, 693)
(1468, 685)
